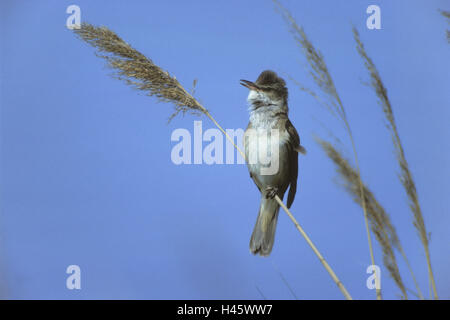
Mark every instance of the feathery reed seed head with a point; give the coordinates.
(137, 70)
(381, 225)
(405, 175)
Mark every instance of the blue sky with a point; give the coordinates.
(86, 174)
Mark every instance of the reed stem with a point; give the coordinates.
(140, 72)
(319, 72)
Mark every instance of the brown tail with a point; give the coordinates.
(263, 234)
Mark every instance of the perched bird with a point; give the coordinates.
(270, 131)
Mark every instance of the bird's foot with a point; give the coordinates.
(271, 192)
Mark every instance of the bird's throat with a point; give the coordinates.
(265, 112)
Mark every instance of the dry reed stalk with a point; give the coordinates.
(141, 73)
(405, 174)
(322, 78)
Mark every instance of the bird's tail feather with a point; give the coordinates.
(263, 234)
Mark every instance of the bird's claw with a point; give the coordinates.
(271, 192)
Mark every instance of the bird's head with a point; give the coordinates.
(268, 89)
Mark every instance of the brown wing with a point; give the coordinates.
(295, 137)
(294, 147)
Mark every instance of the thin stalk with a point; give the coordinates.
(284, 281)
(143, 74)
(379, 219)
(416, 284)
(406, 177)
(361, 191)
(322, 77)
(316, 251)
(297, 225)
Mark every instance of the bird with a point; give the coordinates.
(270, 133)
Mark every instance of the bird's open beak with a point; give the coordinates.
(250, 85)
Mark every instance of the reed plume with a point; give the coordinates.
(405, 176)
(137, 70)
(447, 15)
(322, 78)
(141, 73)
(381, 225)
